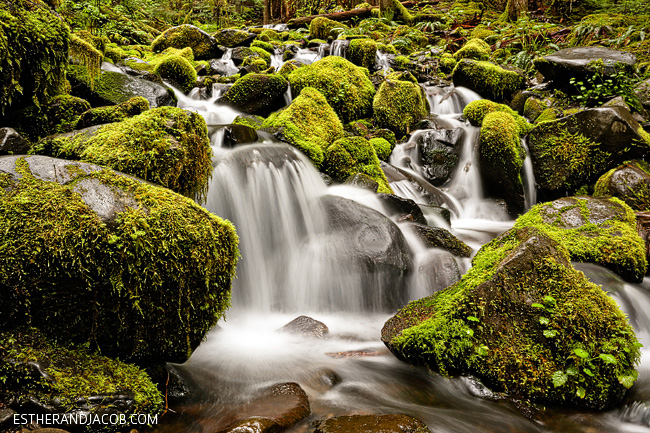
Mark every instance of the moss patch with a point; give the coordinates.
(113, 113)
(204, 46)
(398, 105)
(489, 80)
(179, 70)
(257, 93)
(321, 27)
(382, 147)
(475, 48)
(362, 52)
(476, 111)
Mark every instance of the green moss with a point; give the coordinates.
(475, 48)
(476, 111)
(383, 148)
(321, 27)
(75, 375)
(447, 63)
(116, 53)
(632, 185)
(402, 62)
(351, 155)
(256, 93)
(269, 48)
(482, 32)
(398, 105)
(309, 124)
(251, 121)
(145, 285)
(287, 68)
(489, 80)
(262, 54)
(187, 36)
(34, 45)
(386, 134)
(271, 34)
(518, 320)
(166, 145)
(548, 115)
(362, 52)
(533, 108)
(84, 53)
(346, 87)
(399, 11)
(606, 234)
(386, 48)
(113, 113)
(179, 70)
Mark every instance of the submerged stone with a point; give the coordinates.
(306, 326)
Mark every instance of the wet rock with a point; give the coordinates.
(12, 143)
(439, 151)
(355, 353)
(436, 237)
(257, 94)
(370, 424)
(403, 209)
(576, 62)
(630, 182)
(437, 270)
(240, 54)
(232, 38)
(204, 46)
(363, 181)
(488, 80)
(6, 416)
(643, 93)
(222, 67)
(176, 386)
(643, 226)
(255, 424)
(306, 326)
(235, 134)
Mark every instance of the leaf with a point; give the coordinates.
(572, 371)
(580, 392)
(626, 381)
(588, 372)
(482, 350)
(536, 305)
(548, 299)
(609, 359)
(581, 353)
(472, 318)
(559, 378)
(543, 320)
(550, 333)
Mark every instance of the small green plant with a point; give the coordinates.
(598, 88)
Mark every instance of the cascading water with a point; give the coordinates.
(340, 48)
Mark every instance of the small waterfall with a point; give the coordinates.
(449, 100)
(276, 27)
(528, 176)
(321, 50)
(288, 98)
(276, 59)
(307, 56)
(382, 63)
(212, 113)
(340, 48)
(225, 65)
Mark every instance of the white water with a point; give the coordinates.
(382, 63)
(340, 48)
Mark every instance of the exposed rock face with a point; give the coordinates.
(439, 152)
(578, 62)
(238, 134)
(504, 314)
(436, 237)
(371, 424)
(630, 182)
(306, 326)
(12, 143)
(403, 209)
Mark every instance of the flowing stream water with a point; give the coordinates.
(300, 256)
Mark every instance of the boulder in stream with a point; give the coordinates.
(232, 38)
(437, 237)
(257, 94)
(399, 105)
(306, 326)
(370, 424)
(113, 113)
(439, 151)
(487, 79)
(629, 182)
(12, 143)
(563, 343)
(204, 46)
(92, 256)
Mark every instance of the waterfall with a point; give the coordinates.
(382, 63)
(528, 176)
(276, 59)
(224, 65)
(340, 48)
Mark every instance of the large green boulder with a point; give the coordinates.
(179, 71)
(524, 322)
(475, 48)
(166, 145)
(629, 182)
(476, 111)
(398, 105)
(91, 256)
(597, 230)
(346, 87)
(309, 124)
(321, 27)
(205, 47)
(363, 52)
(257, 93)
(501, 157)
(487, 79)
(113, 113)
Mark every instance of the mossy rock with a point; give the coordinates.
(501, 157)
(476, 49)
(346, 87)
(309, 124)
(506, 325)
(113, 113)
(382, 147)
(487, 79)
(362, 52)
(166, 145)
(178, 70)
(261, 54)
(251, 121)
(257, 94)
(34, 45)
(351, 155)
(91, 256)
(205, 47)
(447, 63)
(321, 27)
(398, 105)
(269, 48)
(629, 182)
(437, 237)
(597, 230)
(71, 380)
(476, 111)
(533, 108)
(232, 38)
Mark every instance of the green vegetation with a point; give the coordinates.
(179, 70)
(321, 27)
(113, 113)
(476, 111)
(475, 48)
(257, 93)
(382, 147)
(362, 52)
(398, 105)
(187, 36)
(487, 79)
(628, 182)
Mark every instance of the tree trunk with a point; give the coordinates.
(336, 16)
(267, 12)
(515, 9)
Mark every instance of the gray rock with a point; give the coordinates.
(306, 326)
(403, 209)
(436, 237)
(12, 143)
(439, 151)
(235, 134)
(232, 38)
(630, 182)
(363, 181)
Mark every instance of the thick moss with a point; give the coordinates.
(107, 260)
(351, 155)
(179, 70)
(346, 87)
(321, 27)
(166, 145)
(601, 231)
(34, 44)
(362, 52)
(489, 80)
(629, 182)
(251, 121)
(501, 158)
(398, 105)
(447, 63)
(113, 113)
(309, 124)
(476, 49)
(262, 54)
(257, 93)
(382, 147)
(533, 108)
(524, 322)
(476, 111)
(269, 48)
(204, 46)
(74, 376)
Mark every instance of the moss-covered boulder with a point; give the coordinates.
(309, 124)
(501, 157)
(51, 378)
(205, 47)
(398, 105)
(363, 52)
(351, 155)
(476, 111)
(321, 27)
(113, 113)
(179, 71)
(629, 182)
(346, 87)
(487, 79)
(232, 38)
(476, 49)
(166, 145)
(382, 147)
(575, 150)
(257, 93)
(94, 257)
(34, 44)
(597, 230)
(507, 325)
